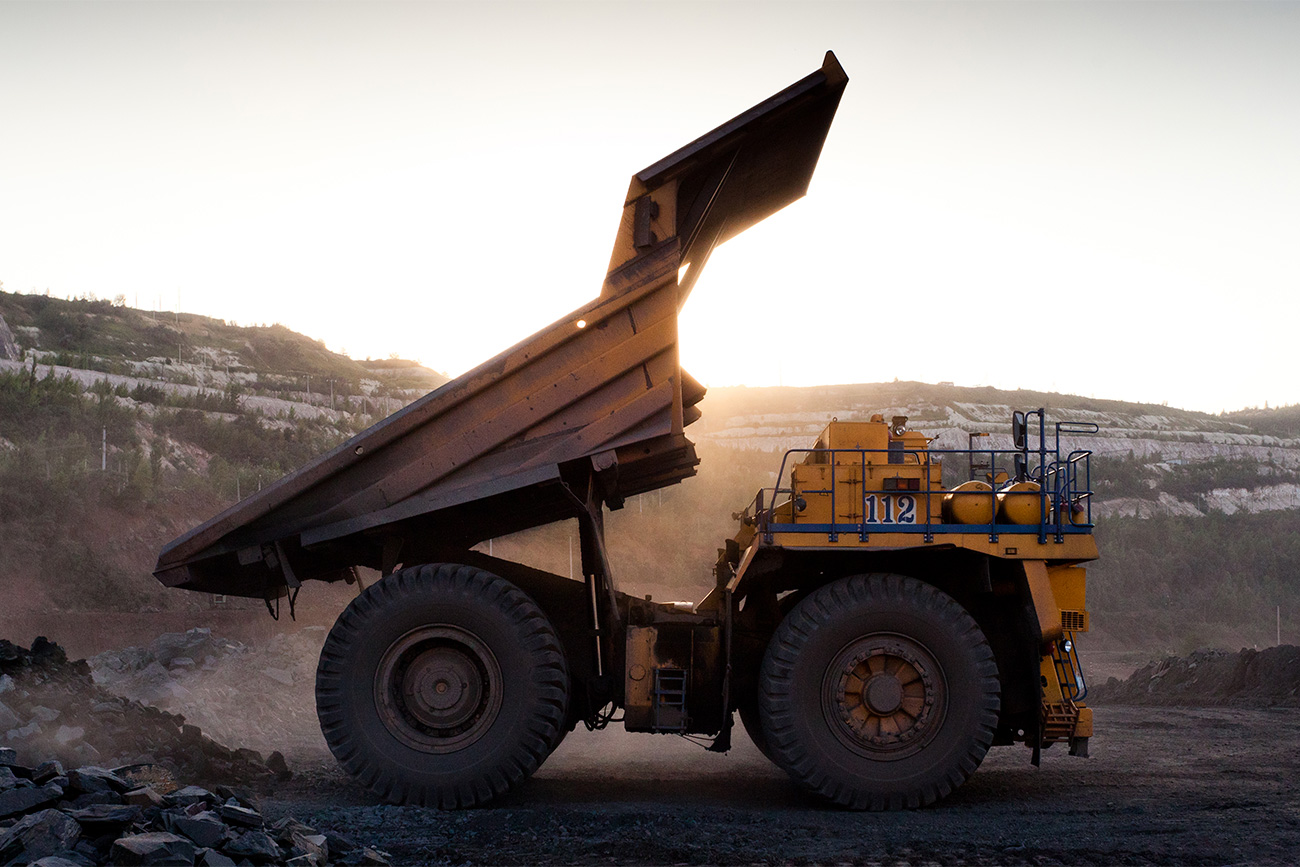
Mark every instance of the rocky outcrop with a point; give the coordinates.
(8, 346)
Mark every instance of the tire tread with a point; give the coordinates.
(542, 731)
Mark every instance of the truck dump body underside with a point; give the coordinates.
(598, 394)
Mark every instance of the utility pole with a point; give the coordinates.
(103, 452)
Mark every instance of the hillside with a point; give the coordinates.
(120, 429)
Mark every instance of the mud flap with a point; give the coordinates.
(722, 743)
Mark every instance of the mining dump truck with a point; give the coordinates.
(884, 613)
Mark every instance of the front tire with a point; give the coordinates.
(879, 692)
(442, 685)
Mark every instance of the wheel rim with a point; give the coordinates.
(438, 689)
(884, 696)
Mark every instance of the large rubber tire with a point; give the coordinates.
(442, 686)
(751, 718)
(879, 692)
(750, 715)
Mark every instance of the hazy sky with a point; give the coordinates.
(1098, 198)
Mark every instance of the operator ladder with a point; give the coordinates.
(670, 700)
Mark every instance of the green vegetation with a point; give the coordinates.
(1178, 584)
(1283, 422)
(95, 478)
(1128, 476)
(96, 334)
(91, 481)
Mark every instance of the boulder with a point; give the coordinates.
(205, 829)
(8, 719)
(101, 819)
(23, 733)
(237, 815)
(96, 779)
(68, 735)
(72, 860)
(15, 802)
(153, 848)
(9, 350)
(92, 799)
(276, 764)
(46, 772)
(256, 846)
(48, 832)
(313, 845)
(192, 644)
(145, 796)
(191, 795)
(8, 779)
(213, 858)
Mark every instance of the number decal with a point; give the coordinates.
(907, 510)
(886, 509)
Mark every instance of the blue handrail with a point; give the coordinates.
(1064, 487)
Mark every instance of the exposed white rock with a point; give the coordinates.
(1267, 499)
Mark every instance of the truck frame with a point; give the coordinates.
(884, 614)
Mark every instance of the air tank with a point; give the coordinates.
(969, 503)
(1020, 503)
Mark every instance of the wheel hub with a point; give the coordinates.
(884, 696)
(438, 689)
(442, 687)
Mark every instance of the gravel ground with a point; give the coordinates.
(1164, 786)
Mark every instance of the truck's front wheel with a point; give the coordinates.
(442, 685)
(879, 692)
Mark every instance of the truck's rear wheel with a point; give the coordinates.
(442, 685)
(879, 692)
(751, 718)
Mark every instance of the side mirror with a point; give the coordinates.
(1021, 467)
(1019, 429)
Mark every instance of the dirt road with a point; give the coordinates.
(1164, 786)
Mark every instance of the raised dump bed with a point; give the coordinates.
(510, 444)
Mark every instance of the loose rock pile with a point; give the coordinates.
(262, 697)
(93, 816)
(51, 708)
(1249, 678)
(135, 813)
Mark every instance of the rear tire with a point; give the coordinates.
(442, 685)
(879, 692)
(752, 720)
